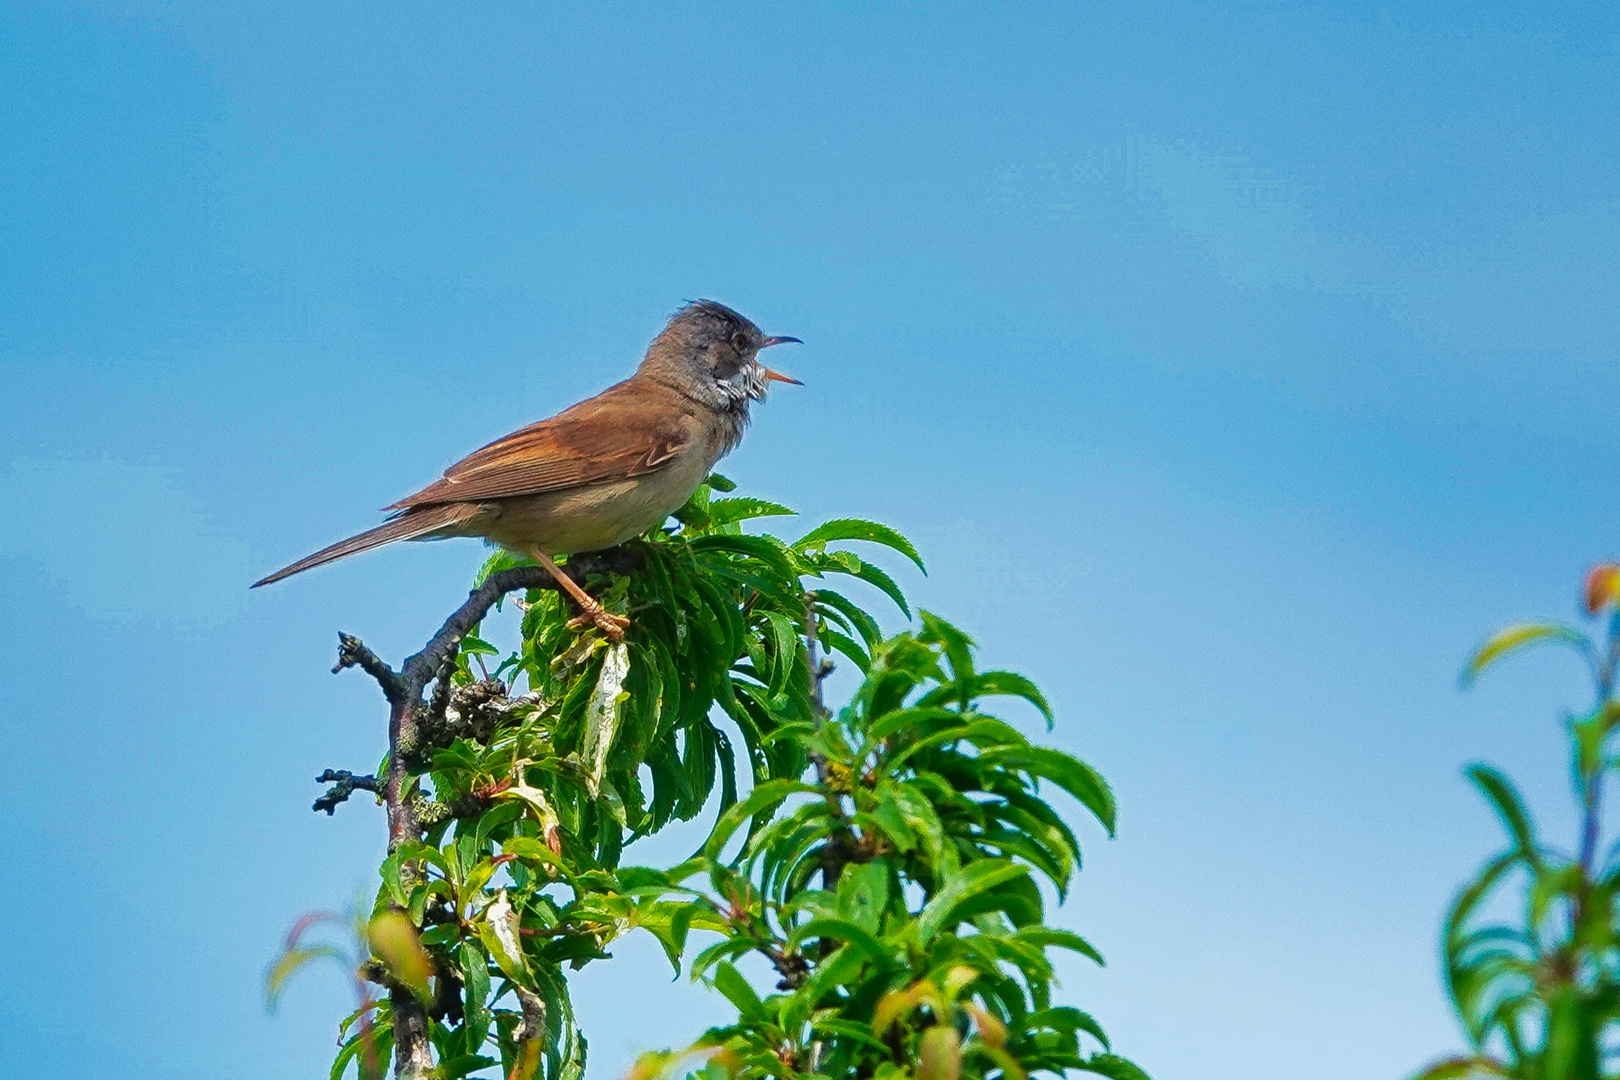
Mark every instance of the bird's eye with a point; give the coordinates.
(739, 341)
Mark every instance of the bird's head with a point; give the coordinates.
(712, 353)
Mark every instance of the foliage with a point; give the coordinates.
(923, 950)
(1538, 994)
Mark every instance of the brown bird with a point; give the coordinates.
(602, 472)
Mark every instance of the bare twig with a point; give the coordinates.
(344, 783)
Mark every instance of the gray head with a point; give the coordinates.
(711, 353)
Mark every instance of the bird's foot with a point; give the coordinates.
(612, 626)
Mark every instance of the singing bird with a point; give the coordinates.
(603, 471)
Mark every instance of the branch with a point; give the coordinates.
(344, 783)
(406, 684)
(470, 711)
(793, 967)
(443, 645)
(413, 1058)
(352, 652)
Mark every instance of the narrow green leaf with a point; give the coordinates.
(737, 990)
(462, 1064)
(891, 818)
(762, 797)
(1053, 937)
(1066, 1019)
(856, 529)
(726, 511)
(1067, 772)
(863, 894)
(1505, 798)
(873, 575)
(1012, 684)
(841, 930)
(1517, 637)
(475, 984)
(1115, 1068)
(959, 888)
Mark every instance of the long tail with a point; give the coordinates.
(411, 525)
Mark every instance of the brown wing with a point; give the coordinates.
(627, 430)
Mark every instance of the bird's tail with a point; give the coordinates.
(408, 526)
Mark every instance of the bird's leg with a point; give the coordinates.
(612, 626)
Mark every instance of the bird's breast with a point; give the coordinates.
(597, 516)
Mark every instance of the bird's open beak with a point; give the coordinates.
(777, 376)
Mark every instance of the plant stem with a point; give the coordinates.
(413, 1056)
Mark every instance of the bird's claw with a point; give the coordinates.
(612, 626)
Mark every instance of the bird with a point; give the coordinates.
(603, 471)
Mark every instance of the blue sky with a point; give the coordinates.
(1236, 369)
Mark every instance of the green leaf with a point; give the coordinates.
(726, 511)
(863, 894)
(765, 549)
(737, 990)
(958, 649)
(841, 968)
(891, 818)
(471, 645)
(462, 1064)
(960, 887)
(856, 529)
(917, 722)
(863, 622)
(1066, 1019)
(719, 483)
(1053, 937)
(923, 820)
(1517, 637)
(1505, 798)
(763, 796)
(1115, 1068)
(784, 638)
(1067, 772)
(1012, 684)
(873, 575)
(842, 930)
(475, 983)
(848, 646)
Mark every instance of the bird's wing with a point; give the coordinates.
(618, 434)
